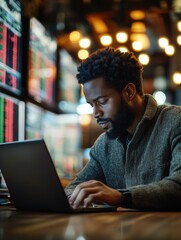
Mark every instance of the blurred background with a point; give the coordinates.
(151, 29)
(50, 38)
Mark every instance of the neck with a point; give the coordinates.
(139, 108)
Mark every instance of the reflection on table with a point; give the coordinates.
(123, 224)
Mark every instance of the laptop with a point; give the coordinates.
(32, 180)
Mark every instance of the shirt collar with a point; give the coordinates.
(151, 107)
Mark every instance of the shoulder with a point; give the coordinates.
(169, 119)
(170, 112)
(162, 111)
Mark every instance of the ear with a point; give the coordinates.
(129, 92)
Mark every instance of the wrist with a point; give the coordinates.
(126, 199)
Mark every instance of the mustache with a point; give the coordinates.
(104, 120)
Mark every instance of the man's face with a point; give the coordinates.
(109, 108)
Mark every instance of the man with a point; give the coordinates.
(136, 162)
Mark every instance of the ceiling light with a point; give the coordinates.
(170, 50)
(160, 97)
(123, 49)
(137, 45)
(122, 37)
(141, 37)
(85, 43)
(179, 26)
(138, 27)
(163, 42)
(177, 78)
(137, 14)
(179, 40)
(144, 58)
(74, 36)
(106, 40)
(83, 54)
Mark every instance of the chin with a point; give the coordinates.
(108, 130)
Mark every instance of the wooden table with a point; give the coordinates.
(112, 226)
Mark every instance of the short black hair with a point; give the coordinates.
(116, 67)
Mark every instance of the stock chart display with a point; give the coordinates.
(42, 63)
(10, 45)
(11, 119)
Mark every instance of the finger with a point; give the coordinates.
(91, 198)
(83, 194)
(79, 188)
(75, 194)
(87, 196)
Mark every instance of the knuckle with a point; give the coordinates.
(84, 191)
(88, 200)
(79, 187)
(95, 182)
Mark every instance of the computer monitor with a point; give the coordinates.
(12, 114)
(10, 46)
(41, 66)
(34, 116)
(69, 89)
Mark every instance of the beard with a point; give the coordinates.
(123, 119)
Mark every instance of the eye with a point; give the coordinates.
(102, 101)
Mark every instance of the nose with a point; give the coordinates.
(97, 112)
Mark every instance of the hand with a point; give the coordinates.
(92, 191)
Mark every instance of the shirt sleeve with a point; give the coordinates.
(162, 195)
